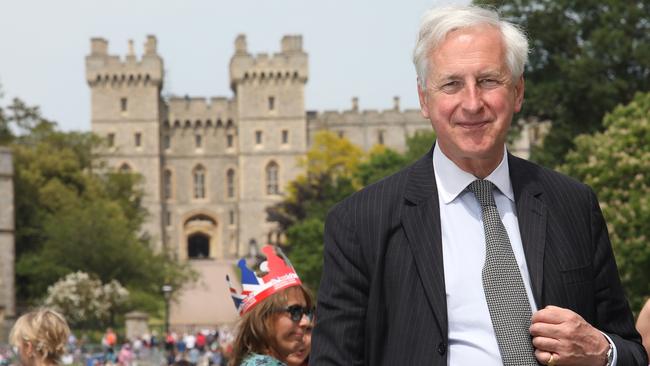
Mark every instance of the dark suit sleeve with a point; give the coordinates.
(612, 310)
(338, 337)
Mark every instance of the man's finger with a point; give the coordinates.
(552, 315)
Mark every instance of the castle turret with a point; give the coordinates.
(270, 96)
(126, 110)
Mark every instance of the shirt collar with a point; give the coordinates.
(452, 180)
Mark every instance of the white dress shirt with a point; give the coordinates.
(471, 336)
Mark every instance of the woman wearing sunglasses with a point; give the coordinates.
(275, 309)
(40, 338)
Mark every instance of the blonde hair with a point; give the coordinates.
(46, 330)
(255, 329)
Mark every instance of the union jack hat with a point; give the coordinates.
(276, 272)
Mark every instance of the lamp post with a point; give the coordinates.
(167, 293)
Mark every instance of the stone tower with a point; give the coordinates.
(126, 110)
(269, 93)
(7, 290)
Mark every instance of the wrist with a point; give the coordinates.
(608, 354)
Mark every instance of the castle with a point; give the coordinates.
(212, 166)
(7, 249)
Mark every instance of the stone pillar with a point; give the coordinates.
(137, 324)
(7, 291)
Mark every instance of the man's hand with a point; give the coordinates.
(568, 338)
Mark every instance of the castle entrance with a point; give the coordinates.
(201, 238)
(198, 246)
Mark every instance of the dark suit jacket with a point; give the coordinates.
(382, 295)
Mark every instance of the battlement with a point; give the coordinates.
(105, 69)
(184, 112)
(291, 64)
(354, 116)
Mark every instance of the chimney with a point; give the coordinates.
(396, 103)
(98, 47)
(150, 47)
(355, 104)
(240, 45)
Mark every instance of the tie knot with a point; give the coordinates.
(482, 189)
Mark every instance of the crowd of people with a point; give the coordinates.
(538, 284)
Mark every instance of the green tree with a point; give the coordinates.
(616, 163)
(73, 214)
(586, 58)
(335, 168)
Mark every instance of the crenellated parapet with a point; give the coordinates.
(289, 65)
(197, 112)
(104, 69)
(356, 117)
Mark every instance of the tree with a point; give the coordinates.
(84, 300)
(335, 168)
(616, 164)
(586, 57)
(73, 214)
(383, 161)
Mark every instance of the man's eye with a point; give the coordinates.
(451, 86)
(489, 83)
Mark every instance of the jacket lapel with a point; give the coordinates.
(421, 222)
(531, 214)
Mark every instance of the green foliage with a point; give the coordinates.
(335, 169)
(74, 215)
(586, 58)
(382, 162)
(616, 163)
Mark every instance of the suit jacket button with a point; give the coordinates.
(442, 348)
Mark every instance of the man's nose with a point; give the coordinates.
(472, 99)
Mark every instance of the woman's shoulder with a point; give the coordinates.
(255, 359)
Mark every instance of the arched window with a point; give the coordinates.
(253, 250)
(230, 183)
(199, 182)
(125, 168)
(167, 184)
(198, 246)
(272, 178)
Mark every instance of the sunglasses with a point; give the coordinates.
(296, 312)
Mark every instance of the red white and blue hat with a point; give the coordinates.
(278, 274)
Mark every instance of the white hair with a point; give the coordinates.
(436, 23)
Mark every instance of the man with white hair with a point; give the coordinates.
(471, 256)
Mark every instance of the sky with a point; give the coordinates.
(357, 48)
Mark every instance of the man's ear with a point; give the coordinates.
(422, 95)
(519, 94)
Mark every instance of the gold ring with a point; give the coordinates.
(551, 361)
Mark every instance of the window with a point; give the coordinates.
(258, 137)
(167, 142)
(229, 140)
(125, 168)
(231, 215)
(138, 139)
(285, 136)
(123, 104)
(111, 139)
(230, 183)
(167, 185)
(380, 137)
(168, 218)
(272, 178)
(198, 141)
(199, 182)
(271, 103)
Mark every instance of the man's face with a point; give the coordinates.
(470, 96)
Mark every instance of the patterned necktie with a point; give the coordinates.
(504, 289)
